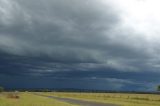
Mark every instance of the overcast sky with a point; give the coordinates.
(86, 44)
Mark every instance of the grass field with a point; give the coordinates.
(115, 98)
(28, 99)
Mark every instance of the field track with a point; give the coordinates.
(78, 102)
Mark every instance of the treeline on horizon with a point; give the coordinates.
(75, 90)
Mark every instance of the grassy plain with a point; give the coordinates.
(28, 99)
(115, 98)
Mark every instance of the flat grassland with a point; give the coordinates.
(114, 98)
(121, 99)
(29, 99)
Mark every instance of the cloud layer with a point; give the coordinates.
(59, 38)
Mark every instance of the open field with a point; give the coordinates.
(61, 99)
(28, 99)
(114, 98)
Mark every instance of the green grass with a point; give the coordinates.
(28, 99)
(115, 98)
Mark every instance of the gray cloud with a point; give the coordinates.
(72, 31)
(51, 36)
(55, 28)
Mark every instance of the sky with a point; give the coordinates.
(82, 44)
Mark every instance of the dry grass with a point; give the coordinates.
(116, 98)
(13, 95)
(28, 99)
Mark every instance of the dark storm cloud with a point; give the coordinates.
(81, 33)
(56, 29)
(85, 40)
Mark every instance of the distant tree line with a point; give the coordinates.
(158, 88)
(76, 90)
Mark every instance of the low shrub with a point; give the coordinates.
(13, 96)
